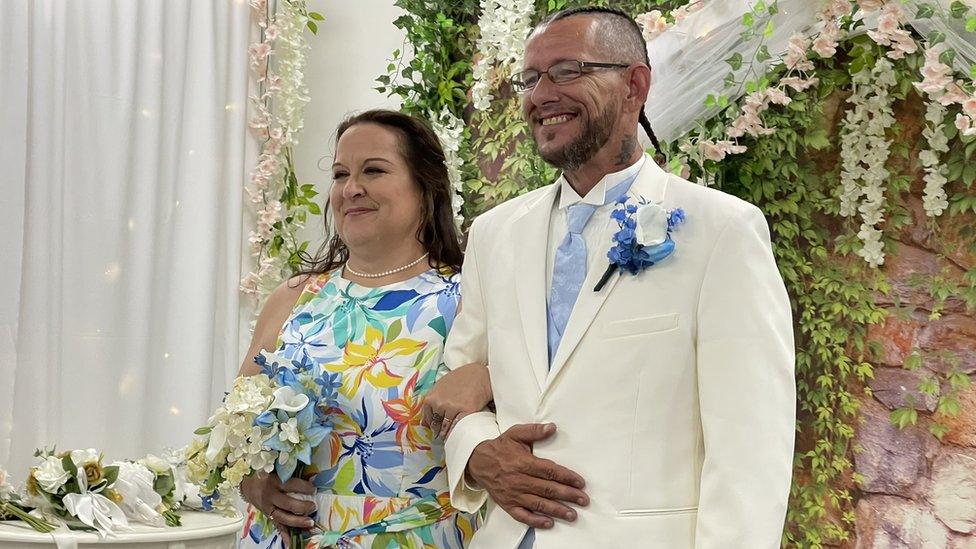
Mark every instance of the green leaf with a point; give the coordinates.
(936, 37)
(164, 485)
(735, 61)
(316, 15)
(903, 417)
(312, 27)
(111, 474)
(69, 465)
(203, 431)
(763, 54)
(948, 56)
(749, 20)
(958, 9)
(971, 24)
(925, 11)
(314, 209)
(768, 31)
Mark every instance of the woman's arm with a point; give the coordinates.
(460, 392)
(273, 316)
(265, 491)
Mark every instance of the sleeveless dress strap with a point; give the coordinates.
(311, 290)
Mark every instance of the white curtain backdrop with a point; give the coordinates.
(123, 155)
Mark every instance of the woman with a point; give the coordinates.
(375, 308)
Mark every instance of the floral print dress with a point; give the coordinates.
(380, 477)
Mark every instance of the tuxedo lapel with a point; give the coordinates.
(650, 185)
(531, 230)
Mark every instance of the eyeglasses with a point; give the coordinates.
(560, 73)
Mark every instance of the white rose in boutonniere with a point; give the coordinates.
(644, 238)
(652, 225)
(50, 474)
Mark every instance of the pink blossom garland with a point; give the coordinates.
(283, 87)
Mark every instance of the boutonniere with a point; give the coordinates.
(644, 237)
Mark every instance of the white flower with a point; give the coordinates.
(156, 464)
(450, 132)
(218, 437)
(864, 152)
(934, 199)
(652, 225)
(139, 500)
(51, 474)
(289, 432)
(251, 394)
(503, 26)
(289, 400)
(84, 457)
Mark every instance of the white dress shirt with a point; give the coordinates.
(594, 229)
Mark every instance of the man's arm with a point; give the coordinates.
(528, 488)
(746, 389)
(467, 343)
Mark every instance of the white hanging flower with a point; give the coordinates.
(864, 152)
(503, 26)
(934, 200)
(450, 132)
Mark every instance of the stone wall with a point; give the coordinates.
(919, 491)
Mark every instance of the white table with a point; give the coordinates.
(199, 531)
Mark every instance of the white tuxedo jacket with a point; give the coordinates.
(672, 391)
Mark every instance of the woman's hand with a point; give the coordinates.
(460, 392)
(271, 497)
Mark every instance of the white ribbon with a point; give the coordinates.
(139, 500)
(94, 509)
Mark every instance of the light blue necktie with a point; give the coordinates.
(568, 274)
(569, 267)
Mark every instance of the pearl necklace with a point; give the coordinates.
(385, 273)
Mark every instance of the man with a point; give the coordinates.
(657, 411)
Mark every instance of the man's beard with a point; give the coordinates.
(592, 137)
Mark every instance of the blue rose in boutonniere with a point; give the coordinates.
(644, 237)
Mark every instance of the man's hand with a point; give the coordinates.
(528, 488)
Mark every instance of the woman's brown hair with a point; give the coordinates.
(424, 156)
